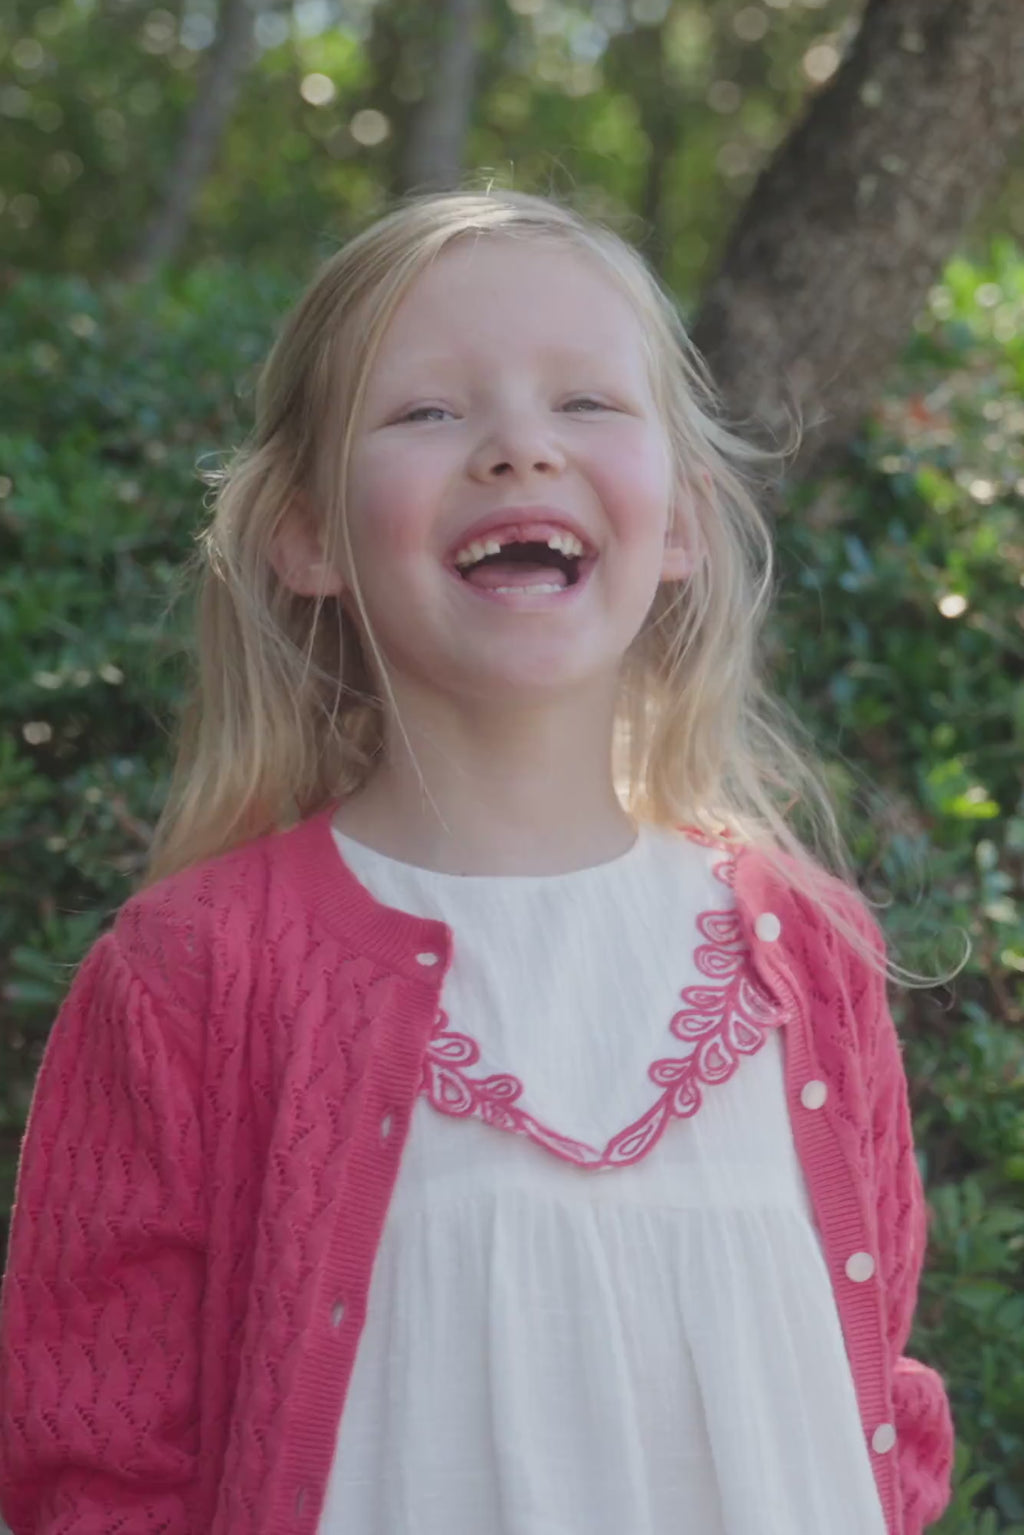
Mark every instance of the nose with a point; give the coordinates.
(518, 446)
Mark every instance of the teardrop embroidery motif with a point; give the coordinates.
(721, 1022)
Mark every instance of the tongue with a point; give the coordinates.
(514, 573)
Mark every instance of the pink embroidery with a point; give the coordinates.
(722, 1022)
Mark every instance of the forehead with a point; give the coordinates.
(511, 297)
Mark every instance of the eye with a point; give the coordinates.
(586, 400)
(420, 409)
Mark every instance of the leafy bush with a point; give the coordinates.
(898, 639)
(899, 636)
(113, 398)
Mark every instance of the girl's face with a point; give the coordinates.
(512, 376)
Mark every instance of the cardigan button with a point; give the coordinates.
(385, 1127)
(426, 958)
(860, 1266)
(813, 1095)
(768, 927)
(337, 1312)
(300, 1501)
(883, 1439)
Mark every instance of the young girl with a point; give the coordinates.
(487, 1119)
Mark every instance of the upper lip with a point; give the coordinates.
(511, 516)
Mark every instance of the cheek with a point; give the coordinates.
(636, 471)
(392, 500)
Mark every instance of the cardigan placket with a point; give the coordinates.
(845, 1223)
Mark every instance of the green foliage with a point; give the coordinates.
(569, 96)
(114, 399)
(899, 640)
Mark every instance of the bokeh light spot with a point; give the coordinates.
(724, 96)
(369, 127)
(820, 62)
(15, 101)
(47, 116)
(27, 54)
(750, 24)
(318, 90)
(159, 32)
(197, 31)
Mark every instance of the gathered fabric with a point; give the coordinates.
(316, 1185)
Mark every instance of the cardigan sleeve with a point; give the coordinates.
(923, 1421)
(100, 1303)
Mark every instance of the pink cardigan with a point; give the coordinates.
(210, 1154)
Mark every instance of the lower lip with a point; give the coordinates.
(526, 600)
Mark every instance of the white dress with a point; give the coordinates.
(600, 1305)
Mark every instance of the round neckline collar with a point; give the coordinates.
(524, 882)
(343, 907)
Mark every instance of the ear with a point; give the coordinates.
(682, 538)
(297, 555)
(677, 563)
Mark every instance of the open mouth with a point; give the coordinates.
(532, 586)
(520, 567)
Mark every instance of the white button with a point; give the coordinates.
(768, 927)
(883, 1438)
(385, 1126)
(859, 1267)
(337, 1312)
(300, 1500)
(426, 959)
(813, 1095)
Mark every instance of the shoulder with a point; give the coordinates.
(799, 916)
(816, 903)
(193, 933)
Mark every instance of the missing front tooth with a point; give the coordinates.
(532, 554)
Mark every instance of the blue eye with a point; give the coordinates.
(586, 400)
(420, 410)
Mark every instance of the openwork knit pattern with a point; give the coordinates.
(211, 1150)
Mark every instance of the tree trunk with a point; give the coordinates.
(204, 129)
(833, 254)
(437, 132)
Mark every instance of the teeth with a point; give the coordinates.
(565, 543)
(530, 591)
(473, 552)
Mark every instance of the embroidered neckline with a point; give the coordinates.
(723, 1022)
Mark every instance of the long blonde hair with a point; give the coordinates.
(285, 714)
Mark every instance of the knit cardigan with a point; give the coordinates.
(210, 1154)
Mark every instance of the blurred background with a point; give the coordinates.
(832, 189)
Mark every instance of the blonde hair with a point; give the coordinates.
(285, 714)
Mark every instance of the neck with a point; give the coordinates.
(498, 791)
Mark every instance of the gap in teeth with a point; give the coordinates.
(565, 543)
